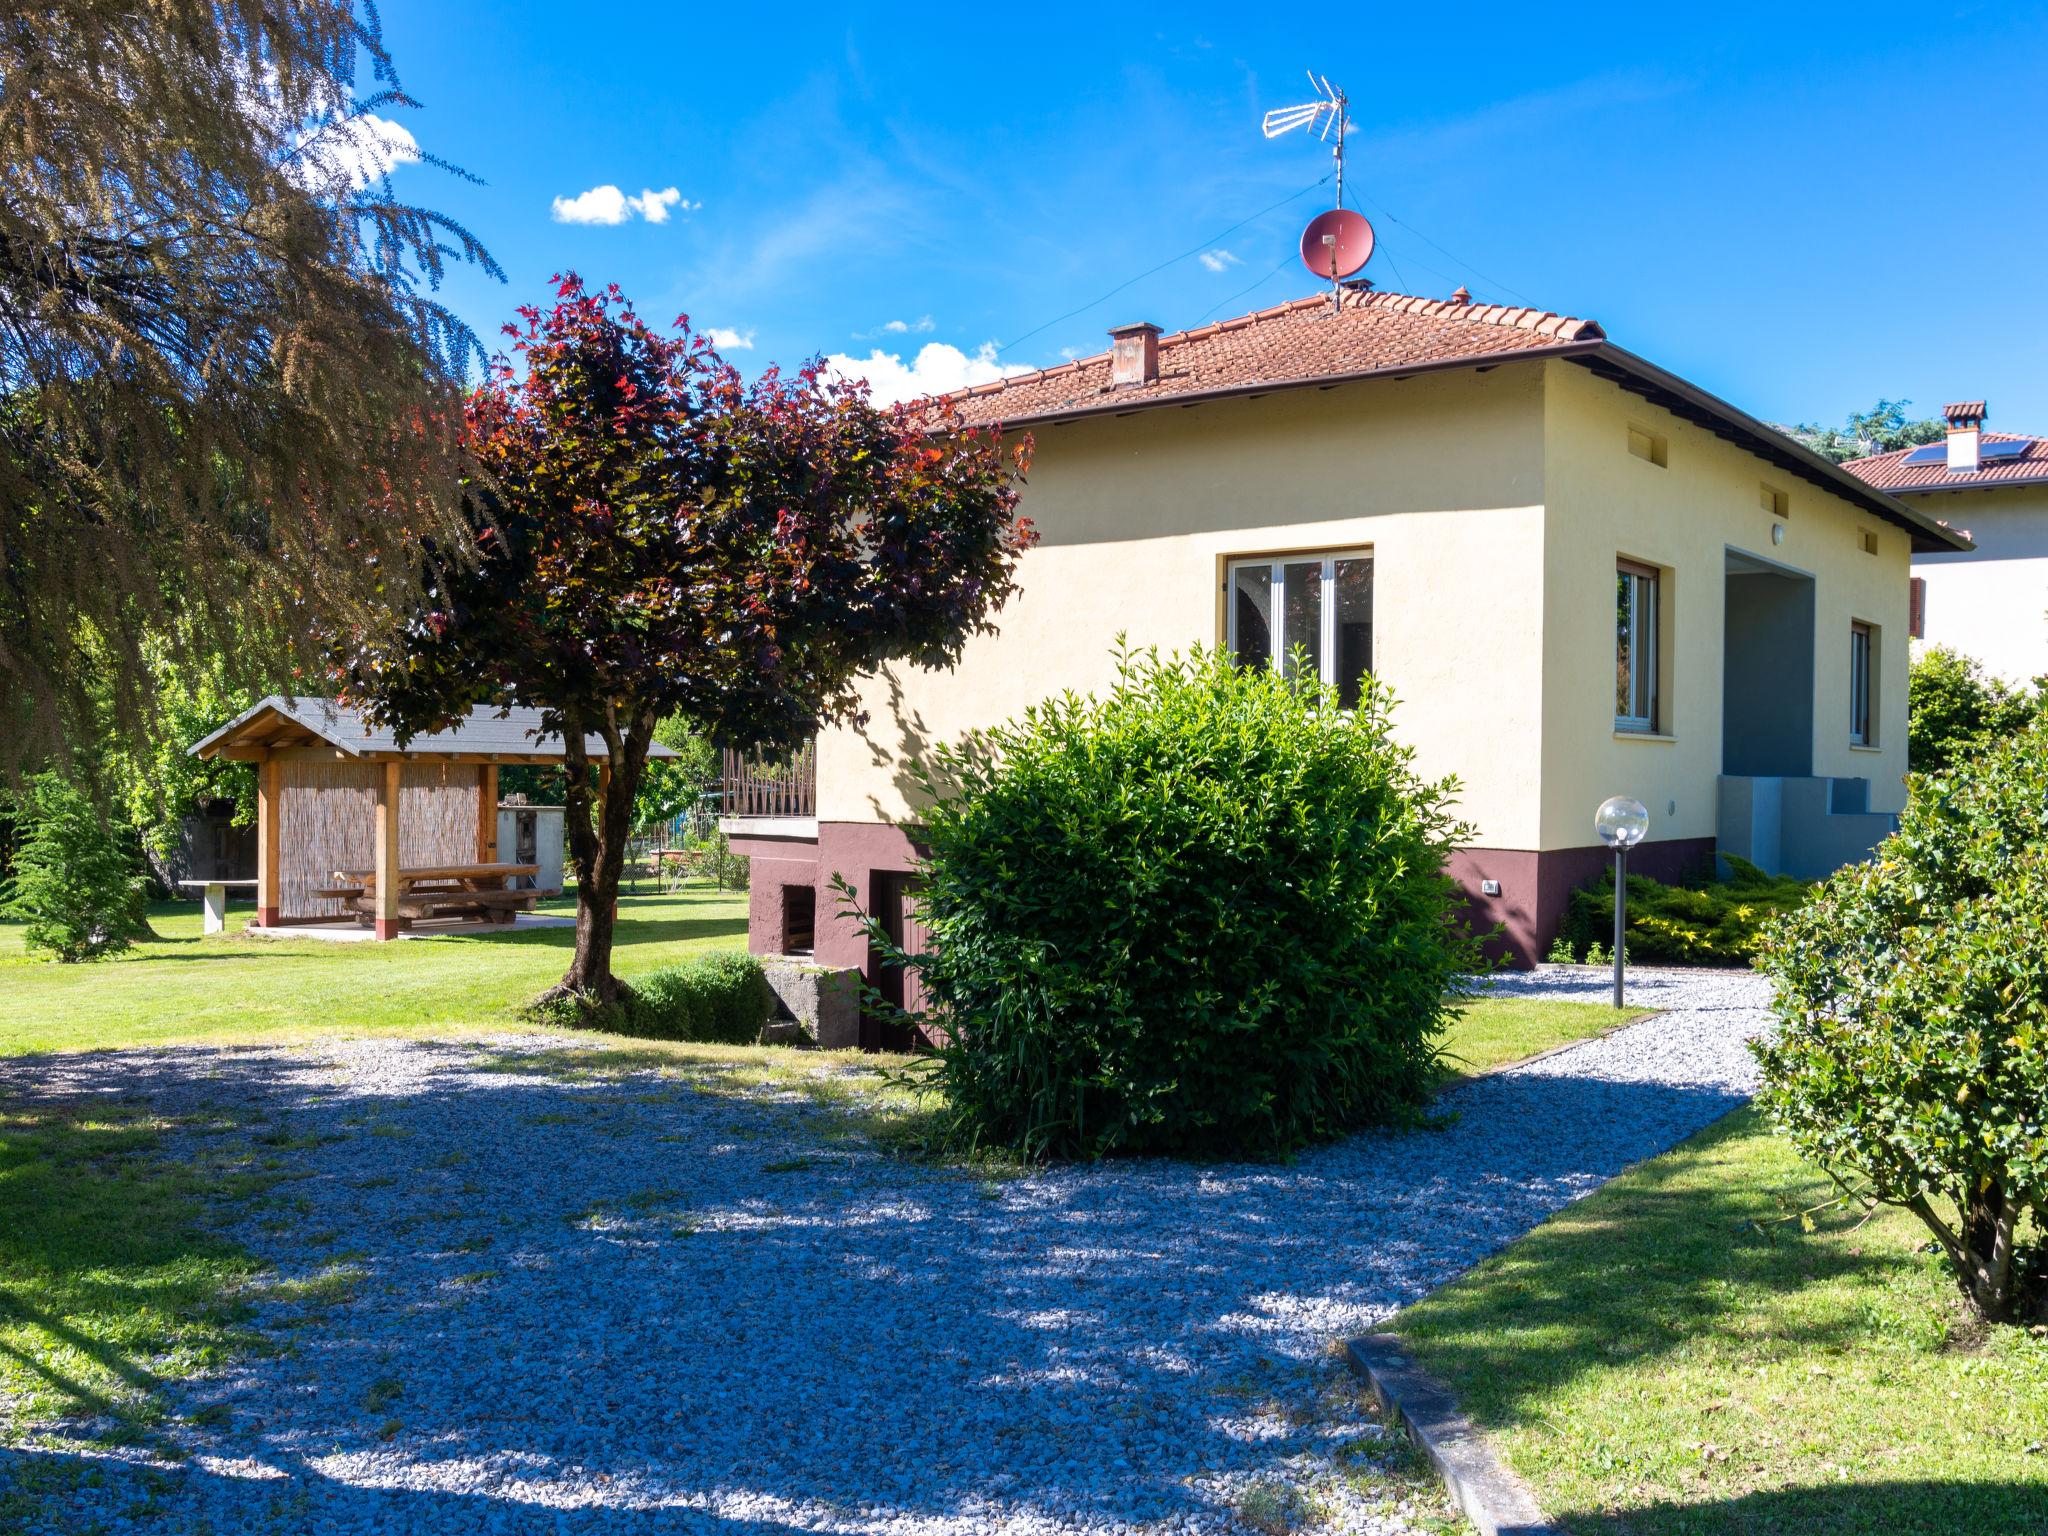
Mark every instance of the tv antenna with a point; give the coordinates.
(1338, 243)
(1325, 115)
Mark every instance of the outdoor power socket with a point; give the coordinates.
(1489, 887)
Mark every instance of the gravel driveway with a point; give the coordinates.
(612, 1305)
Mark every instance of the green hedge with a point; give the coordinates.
(1204, 913)
(722, 997)
(1714, 920)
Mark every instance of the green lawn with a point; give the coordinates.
(1491, 1032)
(186, 988)
(1656, 1365)
(109, 1282)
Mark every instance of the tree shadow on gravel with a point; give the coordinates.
(687, 1294)
(59, 1493)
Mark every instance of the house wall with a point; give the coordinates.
(1440, 475)
(1495, 505)
(1685, 518)
(1992, 604)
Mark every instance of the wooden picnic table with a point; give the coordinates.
(468, 877)
(439, 890)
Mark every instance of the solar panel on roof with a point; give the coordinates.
(1933, 453)
(2011, 448)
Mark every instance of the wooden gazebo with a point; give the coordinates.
(351, 824)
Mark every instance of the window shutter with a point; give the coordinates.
(1916, 608)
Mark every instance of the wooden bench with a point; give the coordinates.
(438, 890)
(493, 906)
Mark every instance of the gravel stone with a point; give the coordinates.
(600, 1305)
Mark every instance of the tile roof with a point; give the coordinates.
(509, 733)
(1963, 412)
(1308, 342)
(1891, 473)
(1298, 342)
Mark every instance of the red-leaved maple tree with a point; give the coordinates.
(662, 538)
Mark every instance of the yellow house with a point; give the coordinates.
(1581, 575)
(1992, 604)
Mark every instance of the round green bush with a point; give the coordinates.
(1204, 914)
(77, 880)
(722, 998)
(1912, 1058)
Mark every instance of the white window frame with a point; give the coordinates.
(1862, 684)
(1326, 613)
(1643, 644)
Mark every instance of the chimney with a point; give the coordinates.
(1965, 434)
(1462, 296)
(1133, 354)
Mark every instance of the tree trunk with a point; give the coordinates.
(1988, 1229)
(597, 837)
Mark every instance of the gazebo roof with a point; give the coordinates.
(508, 735)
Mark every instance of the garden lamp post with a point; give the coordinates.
(1621, 823)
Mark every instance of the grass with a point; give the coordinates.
(109, 1283)
(1667, 1358)
(1491, 1032)
(188, 989)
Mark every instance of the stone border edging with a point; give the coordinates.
(1492, 1496)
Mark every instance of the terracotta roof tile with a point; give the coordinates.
(1290, 343)
(1890, 471)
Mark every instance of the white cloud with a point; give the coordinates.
(325, 142)
(608, 205)
(654, 206)
(917, 327)
(359, 149)
(1220, 260)
(937, 369)
(726, 339)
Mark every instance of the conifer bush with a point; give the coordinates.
(76, 878)
(1912, 1058)
(1205, 913)
(1716, 919)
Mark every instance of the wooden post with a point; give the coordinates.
(487, 814)
(269, 781)
(388, 921)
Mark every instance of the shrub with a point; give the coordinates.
(1204, 914)
(1913, 995)
(1953, 709)
(722, 997)
(76, 879)
(1714, 920)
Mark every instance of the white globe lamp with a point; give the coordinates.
(1621, 823)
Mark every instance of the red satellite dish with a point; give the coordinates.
(1336, 244)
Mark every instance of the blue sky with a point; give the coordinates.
(1798, 207)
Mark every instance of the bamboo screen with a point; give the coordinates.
(326, 820)
(437, 813)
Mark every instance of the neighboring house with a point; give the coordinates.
(1581, 576)
(1992, 604)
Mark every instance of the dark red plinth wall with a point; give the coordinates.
(1535, 887)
